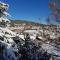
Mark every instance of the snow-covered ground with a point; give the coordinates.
(51, 49)
(10, 45)
(8, 31)
(7, 42)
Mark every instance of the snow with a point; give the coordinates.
(7, 14)
(8, 31)
(9, 50)
(6, 35)
(3, 3)
(53, 36)
(10, 40)
(40, 37)
(33, 37)
(51, 49)
(5, 19)
(21, 36)
(31, 31)
(11, 53)
(1, 34)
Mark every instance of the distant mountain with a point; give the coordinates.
(27, 22)
(23, 21)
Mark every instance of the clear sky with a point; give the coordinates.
(30, 10)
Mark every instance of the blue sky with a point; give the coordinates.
(29, 10)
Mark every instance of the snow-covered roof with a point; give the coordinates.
(31, 31)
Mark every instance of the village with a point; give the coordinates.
(53, 31)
